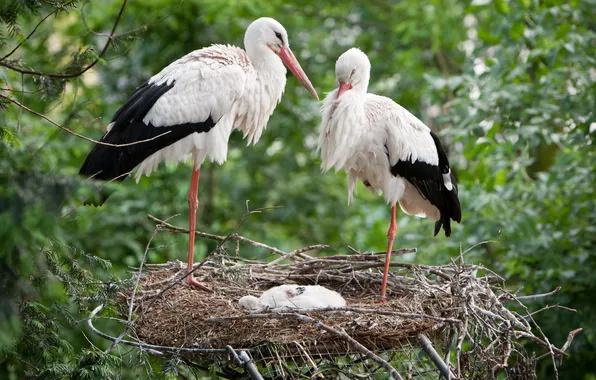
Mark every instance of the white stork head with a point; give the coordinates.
(265, 35)
(352, 71)
(250, 303)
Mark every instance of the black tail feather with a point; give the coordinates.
(114, 163)
(451, 210)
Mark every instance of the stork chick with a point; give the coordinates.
(293, 297)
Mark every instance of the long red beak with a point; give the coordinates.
(290, 60)
(343, 87)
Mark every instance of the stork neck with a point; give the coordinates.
(360, 86)
(265, 61)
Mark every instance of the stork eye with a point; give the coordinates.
(352, 73)
(278, 35)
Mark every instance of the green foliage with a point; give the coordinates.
(509, 85)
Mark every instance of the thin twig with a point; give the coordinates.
(534, 296)
(134, 290)
(29, 36)
(297, 252)
(233, 237)
(547, 307)
(75, 133)
(222, 242)
(534, 338)
(570, 337)
(82, 71)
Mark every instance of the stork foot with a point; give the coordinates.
(190, 280)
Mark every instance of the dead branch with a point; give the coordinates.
(298, 252)
(233, 237)
(510, 297)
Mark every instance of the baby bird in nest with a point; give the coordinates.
(293, 297)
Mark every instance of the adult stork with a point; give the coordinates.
(192, 106)
(379, 142)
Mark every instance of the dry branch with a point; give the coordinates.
(172, 228)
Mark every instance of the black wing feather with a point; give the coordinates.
(428, 180)
(108, 162)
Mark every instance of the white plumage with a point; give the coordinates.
(359, 129)
(293, 297)
(391, 151)
(219, 76)
(236, 91)
(192, 106)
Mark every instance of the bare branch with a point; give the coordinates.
(233, 237)
(547, 307)
(298, 252)
(73, 132)
(570, 337)
(534, 296)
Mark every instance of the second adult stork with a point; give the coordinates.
(192, 106)
(379, 142)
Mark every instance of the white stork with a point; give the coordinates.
(198, 100)
(379, 142)
(293, 297)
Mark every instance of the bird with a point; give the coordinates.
(390, 150)
(293, 297)
(191, 107)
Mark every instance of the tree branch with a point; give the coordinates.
(29, 36)
(82, 71)
(172, 228)
(73, 132)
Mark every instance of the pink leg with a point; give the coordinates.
(193, 204)
(390, 237)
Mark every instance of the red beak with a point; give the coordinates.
(290, 60)
(343, 87)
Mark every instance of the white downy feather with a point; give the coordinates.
(293, 297)
(359, 130)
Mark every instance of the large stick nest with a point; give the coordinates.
(189, 317)
(461, 307)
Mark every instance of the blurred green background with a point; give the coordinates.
(508, 85)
